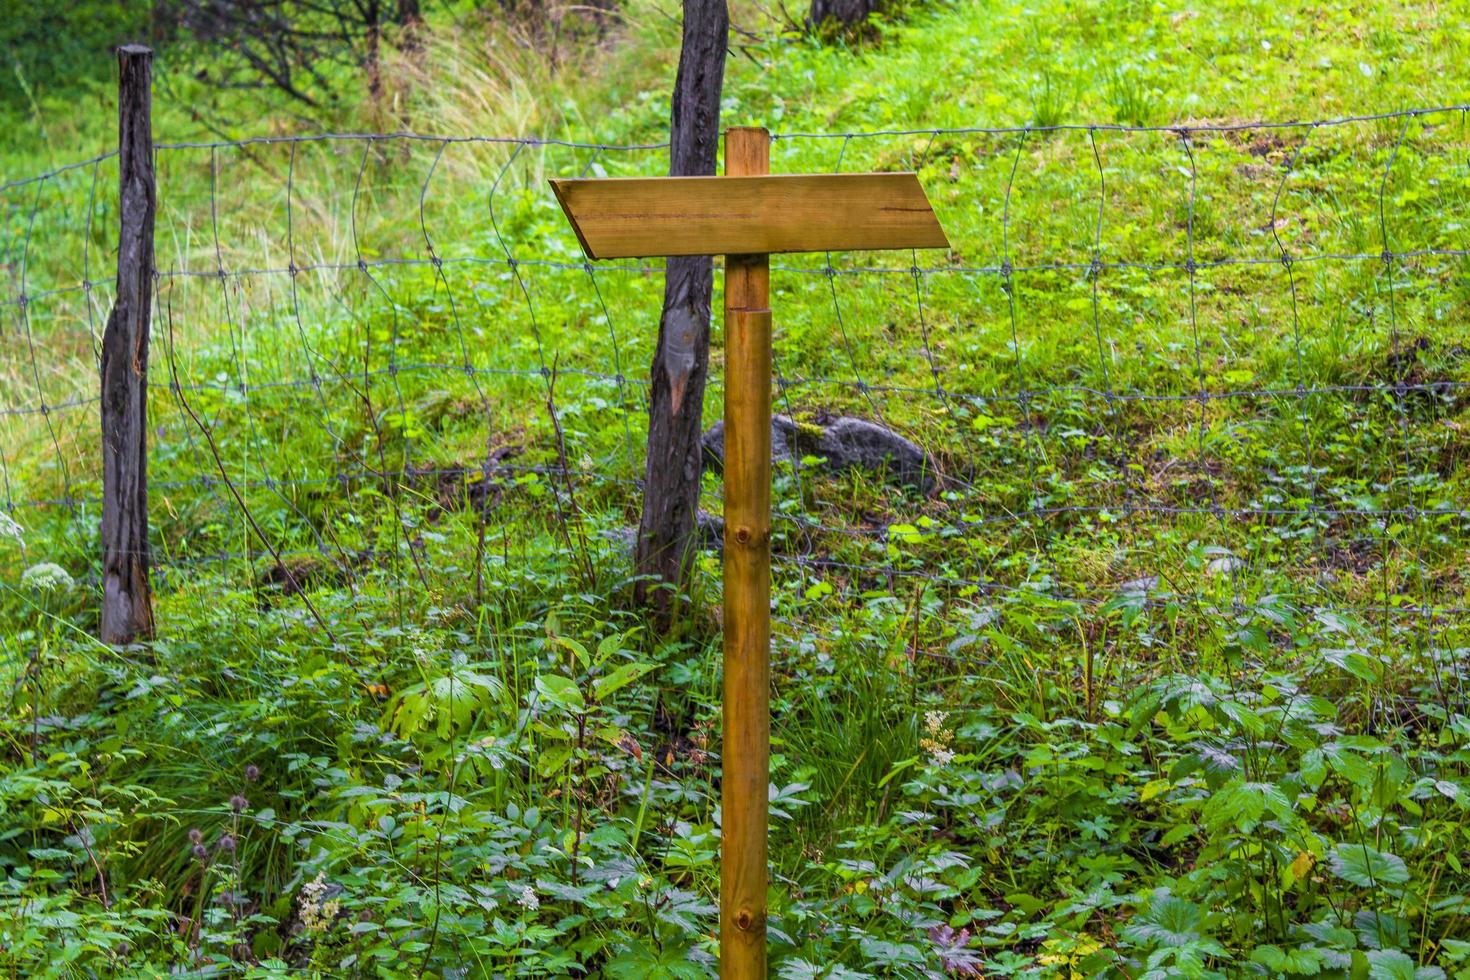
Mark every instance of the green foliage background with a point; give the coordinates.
(1021, 727)
(61, 48)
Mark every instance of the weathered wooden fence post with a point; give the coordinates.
(745, 756)
(127, 602)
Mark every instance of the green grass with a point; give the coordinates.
(1145, 688)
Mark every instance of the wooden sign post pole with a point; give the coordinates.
(745, 756)
(745, 216)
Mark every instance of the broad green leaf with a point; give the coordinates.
(1313, 768)
(1244, 804)
(620, 678)
(1366, 867)
(641, 962)
(1243, 717)
(1153, 788)
(609, 646)
(1168, 921)
(412, 710)
(1298, 961)
(577, 650)
(1349, 765)
(1389, 964)
(1354, 662)
(562, 691)
(551, 761)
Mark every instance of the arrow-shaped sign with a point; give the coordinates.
(637, 216)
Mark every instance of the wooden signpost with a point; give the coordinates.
(746, 215)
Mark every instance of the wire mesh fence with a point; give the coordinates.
(1210, 366)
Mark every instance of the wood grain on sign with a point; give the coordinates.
(634, 217)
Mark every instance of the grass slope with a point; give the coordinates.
(1166, 677)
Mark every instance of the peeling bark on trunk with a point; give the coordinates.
(666, 532)
(127, 606)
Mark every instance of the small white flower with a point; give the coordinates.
(318, 915)
(10, 529)
(938, 738)
(47, 577)
(528, 899)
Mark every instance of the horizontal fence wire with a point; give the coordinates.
(1211, 365)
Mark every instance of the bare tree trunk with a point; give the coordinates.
(372, 62)
(846, 13)
(410, 22)
(666, 533)
(127, 604)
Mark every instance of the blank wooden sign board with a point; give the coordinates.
(746, 215)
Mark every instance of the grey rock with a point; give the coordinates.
(625, 537)
(711, 531)
(1140, 586)
(783, 434)
(845, 443)
(1224, 565)
(851, 443)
